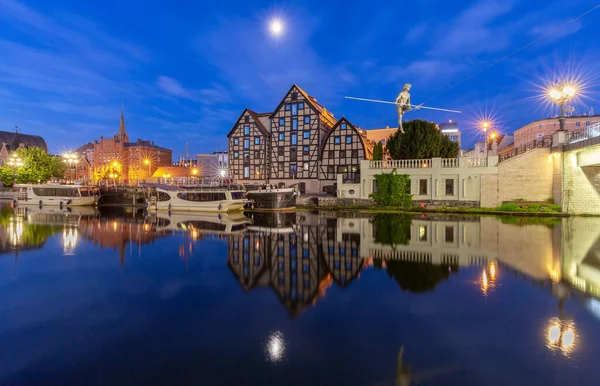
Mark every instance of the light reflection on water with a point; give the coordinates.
(314, 277)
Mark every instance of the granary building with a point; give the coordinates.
(299, 142)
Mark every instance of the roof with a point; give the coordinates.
(15, 139)
(326, 116)
(367, 144)
(87, 146)
(143, 143)
(506, 141)
(254, 116)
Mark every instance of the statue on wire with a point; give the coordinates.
(403, 104)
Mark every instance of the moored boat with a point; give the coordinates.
(273, 198)
(56, 195)
(209, 200)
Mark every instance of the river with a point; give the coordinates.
(116, 297)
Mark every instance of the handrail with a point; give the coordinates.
(401, 164)
(449, 162)
(591, 131)
(546, 141)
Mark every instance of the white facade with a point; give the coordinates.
(435, 179)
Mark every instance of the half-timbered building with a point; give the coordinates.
(343, 148)
(248, 147)
(285, 147)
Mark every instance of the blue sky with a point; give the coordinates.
(185, 70)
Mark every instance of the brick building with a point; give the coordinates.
(537, 130)
(129, 161)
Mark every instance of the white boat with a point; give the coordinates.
(203, 200)
(56, 195)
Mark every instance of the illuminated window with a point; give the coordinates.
(236, 141)
(246, 143)
(295, 124)
(281, 136)
(422, 232)
(236, 155)
(294, 139)
(246, 171)
(306, 166)
(342, 169)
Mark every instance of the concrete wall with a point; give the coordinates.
(466, 174)
(579, 190)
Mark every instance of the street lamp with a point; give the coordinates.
(147, 163)
(485, 125)
(562, 94)
(72, 160)
(16, 162)
(194, 173)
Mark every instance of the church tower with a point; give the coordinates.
(122, 135)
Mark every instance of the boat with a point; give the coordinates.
(56, 195)
(273, 222)
(270, 197)
(194, 200)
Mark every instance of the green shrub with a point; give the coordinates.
(392, 190)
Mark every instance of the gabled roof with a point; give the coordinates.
(254, 116)
(367, 144)
(326, 116)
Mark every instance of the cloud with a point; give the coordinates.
(416, 33)
(172, 86)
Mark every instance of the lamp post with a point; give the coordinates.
(72, 160)
(194, 173)
(16, 162)
(147, 163)
(562, 94)
(485, 126)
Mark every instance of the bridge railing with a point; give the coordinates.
(591, 131)
(545, 141)
(401, 164)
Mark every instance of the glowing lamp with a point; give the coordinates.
(276, 27)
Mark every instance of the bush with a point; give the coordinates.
(392, 190)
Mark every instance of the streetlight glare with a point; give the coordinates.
(569, 91)
(555, 94)
(486, 124)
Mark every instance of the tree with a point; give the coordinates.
(419, 277)
(378, 151)
(37, 166)
(392, 229)
(392, 190)
(421, 139)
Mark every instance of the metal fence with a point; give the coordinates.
(546, 141)
(583, 134)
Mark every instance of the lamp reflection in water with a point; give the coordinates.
(488, 279)
(69, 241)
(15, 230)
(560, 335)
(274, 347)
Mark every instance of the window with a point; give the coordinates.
(577, 124)
(306, 134)
(449, 234)
(246, 171)
(348, 139)
(301, 105)
(354, 169)
(449, 187)
(295, 124)
(307, 119)
(280, 151)
(294, 109)
(281, 136)
(293, 154)
(336, 140)
(162, 196)
(294, 139)
(293, 171)
(257, 154)
(588, 123)
(281, 122)
(246, 144)
(287, 107)
(246, 119)
(342, 169)
(354, 153)
(342, 153)
(246, 158)
(257, 140)
(236, 155)
(306, 166)
(540, 136)
(306, 150)
(294, 96)
(330, 169)
(236, 141)
(423, 231)
(422, 187)
(343, 126)
(247, 130)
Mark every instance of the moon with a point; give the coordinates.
(276, 27)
